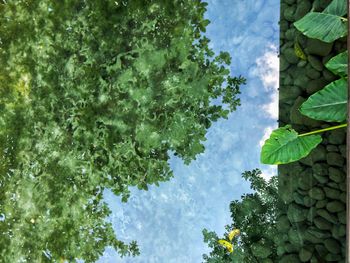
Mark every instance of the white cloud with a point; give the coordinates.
(267, 133)
(271, 108)
(269, 172)
(267, 70)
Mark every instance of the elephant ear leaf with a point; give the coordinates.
(328, 104)
(322, 26)
(285, 146)
(336, 7)
(339, 64)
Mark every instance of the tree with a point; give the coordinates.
(255, 216)
(95, 95)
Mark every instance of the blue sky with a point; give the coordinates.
(167, 221)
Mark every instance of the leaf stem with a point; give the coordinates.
(326, 129)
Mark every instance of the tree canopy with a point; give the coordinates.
(96, 95)
(255, 216)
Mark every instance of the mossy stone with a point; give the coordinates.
(328, 216)
(284, 25)
(301, 64)
(329, 76)
(333, 257)
(289, 92)
(315, 62)
(283, 224)
(335, 207)
(305, 255)
(332, 193)
(298, 198)
(342, 197)
(303, 8)
(321, 203)
(315, 85)
(283, 63)
(336, 175)
(342, 186)
(342, 150)
(332, 148)
(288, 13)
(319, 154)
(335, 159)
(321, 250)
(290, 34)
(332, 245)
(290, 248)
(306, 180)
(312, 73)
(338, 231)
(311, 214)
(291, 258)
(260, 250)
(333, 185)
(317, 47)
(289, 2)
(297, 118)
(296, 213)
(296, 237)
(318, 233)
(290, 56)
(342, 217)
(287, 81)
(317, 193)
(320, 172)
(301, 81)
(308, 201)
(337, 137)
(280, 250)
(322, 224)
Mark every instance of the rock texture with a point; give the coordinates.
(312, 222)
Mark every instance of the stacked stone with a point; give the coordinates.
(312, 222)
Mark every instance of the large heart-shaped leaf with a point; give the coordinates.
(339, 64)
(328, 104)
(322, 26)
(285, 146)
(337, 7)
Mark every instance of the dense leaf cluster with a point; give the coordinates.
(96, 95)
(255, 216)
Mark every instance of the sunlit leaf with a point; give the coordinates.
(325, 27)
(339, 64)
(328, 104)
(285, 146)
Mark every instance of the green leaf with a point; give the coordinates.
(339, 64)
(337, 7)
(325, 27)
(328, 104)
(285, 146)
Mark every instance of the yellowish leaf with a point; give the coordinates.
(298, 51)
(226, 244)
(233, 233)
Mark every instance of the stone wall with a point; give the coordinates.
(313, 190)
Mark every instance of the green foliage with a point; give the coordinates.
(285, 146)
(255, 215)
(95, 95)
(336, 7)
(328, 104)
(327, 26)
(339, 64)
